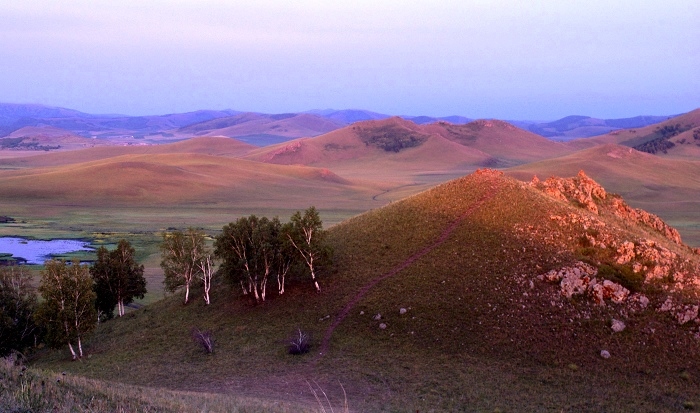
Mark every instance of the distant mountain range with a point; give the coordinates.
(260, 129)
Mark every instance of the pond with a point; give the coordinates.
(37, 251)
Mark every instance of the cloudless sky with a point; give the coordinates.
(508, 59)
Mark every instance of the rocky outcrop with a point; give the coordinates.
(587, 193)
(683, 313)
(580, 279)
(624, 211)
(620, 246)
(580, 190)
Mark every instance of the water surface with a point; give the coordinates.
(38, 251)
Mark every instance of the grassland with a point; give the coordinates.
(471, 340)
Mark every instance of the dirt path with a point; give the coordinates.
(408, 262)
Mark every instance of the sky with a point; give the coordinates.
(506, 59)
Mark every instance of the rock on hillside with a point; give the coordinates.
(637, 262)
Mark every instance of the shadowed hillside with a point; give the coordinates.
(484, 293)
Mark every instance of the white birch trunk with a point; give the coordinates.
(72, 352)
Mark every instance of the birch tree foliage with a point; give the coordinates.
(67, 311)
(17, 305)
(249, 249)
(181, 255)
(118, 279)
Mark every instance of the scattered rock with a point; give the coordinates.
(688, 313)
(362, 313)
(605, 354)
(402, 311)
(377, 317)
(617, 325)
(382, 326)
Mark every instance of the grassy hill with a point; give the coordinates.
(170, 178)
(481, 267)
(478, 143)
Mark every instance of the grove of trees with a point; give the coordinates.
(75, 296)
(252, 249)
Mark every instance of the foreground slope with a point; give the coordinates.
(483, 293)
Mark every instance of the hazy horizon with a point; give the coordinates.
(479, 59)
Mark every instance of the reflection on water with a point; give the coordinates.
(38, 251)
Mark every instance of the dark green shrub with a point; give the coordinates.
(621, 274)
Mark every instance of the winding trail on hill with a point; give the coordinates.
(400, 267)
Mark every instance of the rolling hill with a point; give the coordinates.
(44, 139)
(653, 138)
(261, 129)
(572, 127)
(484, 294)
(16, 116)
(173, 178)
(225, 147)
(437, 146)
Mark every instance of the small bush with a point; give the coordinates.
(204, 339)
(623, 274)
(299, 343)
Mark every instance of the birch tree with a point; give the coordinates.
(308, 238)
(206, 275)
(68, 310)
(285, 256)
(181, 254)
(17, 305)
(118, 279)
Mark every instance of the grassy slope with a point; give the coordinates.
(669, 188)
(471, 339)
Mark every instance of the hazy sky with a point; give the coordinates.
(508, 59)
